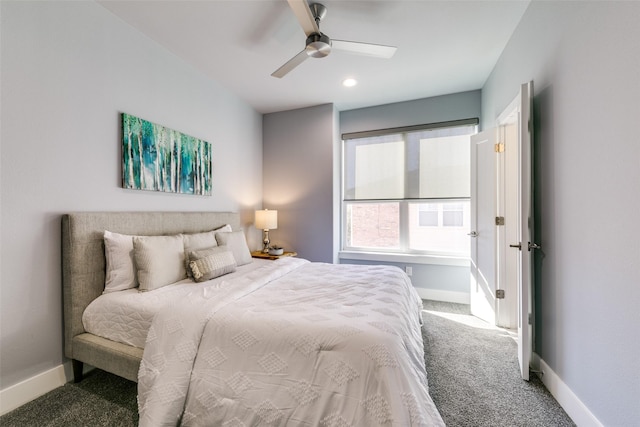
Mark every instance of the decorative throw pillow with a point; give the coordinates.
(237, 243)
(196, 242)
(121, 270)
(159, 260)
(224, 229)
(211, 263)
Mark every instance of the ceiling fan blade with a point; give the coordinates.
(377, 50)
(290, 65)
(305, 17)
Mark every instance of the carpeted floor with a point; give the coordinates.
(101, 399)
(473, 378)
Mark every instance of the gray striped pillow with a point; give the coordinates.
(211, 263)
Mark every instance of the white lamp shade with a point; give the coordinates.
(266, 219)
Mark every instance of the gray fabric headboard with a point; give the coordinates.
(83, 261)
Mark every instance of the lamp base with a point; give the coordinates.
(265, 241)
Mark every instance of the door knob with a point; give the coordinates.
(473, 234)
(533, 246)
(519, 246)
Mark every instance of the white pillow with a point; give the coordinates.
(121, 270)
(236, 241)
(196, 242)
(159, 260)
(224, 229)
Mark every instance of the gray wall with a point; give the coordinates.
(421, 111)
(299, 179)
(68, 70)
(464, 105)
(584, 59)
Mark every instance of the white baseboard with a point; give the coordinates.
(571, 404)
(34, 387)
(447, 296)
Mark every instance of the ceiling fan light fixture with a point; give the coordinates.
(318, 45)
(349, 82)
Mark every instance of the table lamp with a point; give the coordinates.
(266, 220)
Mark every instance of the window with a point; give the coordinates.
(407, 191)
(453, 214)
(428, 215)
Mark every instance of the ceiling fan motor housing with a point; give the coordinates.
(318, 45)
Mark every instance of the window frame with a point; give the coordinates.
(403, 251)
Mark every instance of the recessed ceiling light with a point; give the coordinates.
(349, 82)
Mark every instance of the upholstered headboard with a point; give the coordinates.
(83, 260)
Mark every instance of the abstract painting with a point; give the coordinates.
(161, 159)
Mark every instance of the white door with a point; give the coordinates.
(491, 262)
(525, 229)
(483, 229)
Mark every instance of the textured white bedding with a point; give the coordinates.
(290, 343)
(125, 316)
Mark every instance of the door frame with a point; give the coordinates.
(505, 176)
(506, 308)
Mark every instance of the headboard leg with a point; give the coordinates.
(77, 370)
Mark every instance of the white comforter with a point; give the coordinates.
(292, 343)
(126, 316)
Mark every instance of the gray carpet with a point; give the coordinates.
(473, 379)
(101, 399)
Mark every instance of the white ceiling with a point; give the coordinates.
(444, 46)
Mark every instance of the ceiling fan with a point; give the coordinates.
(319, 45)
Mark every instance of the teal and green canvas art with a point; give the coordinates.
(161, 159)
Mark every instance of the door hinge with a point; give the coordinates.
(500, 293)
(499, 220)
(499, 147)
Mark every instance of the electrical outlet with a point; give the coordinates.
(409, 270)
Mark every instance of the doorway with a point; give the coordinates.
(502, 222)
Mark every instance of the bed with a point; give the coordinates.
(286, 342)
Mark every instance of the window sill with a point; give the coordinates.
(406, 258)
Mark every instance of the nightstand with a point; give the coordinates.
(263, 255)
